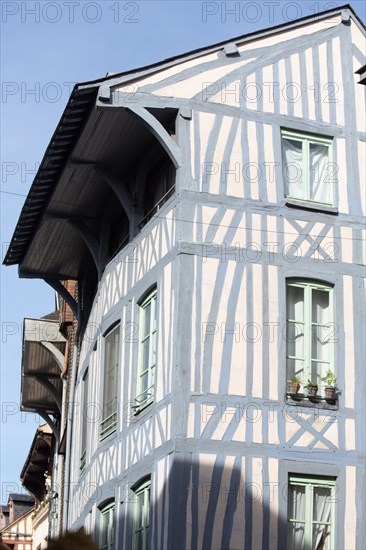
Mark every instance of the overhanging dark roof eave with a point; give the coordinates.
(67, 132)
(41, 434)
(48, 173)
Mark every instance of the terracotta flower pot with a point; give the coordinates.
(330, 394)
(294, 388)
(312, 391)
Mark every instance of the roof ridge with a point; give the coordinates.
(307, 19)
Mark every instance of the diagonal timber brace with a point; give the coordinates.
(51, 423)
(42, 379)
(65, 294)
(88, 237)
(155, 127)
(55, 352)
(119, 190)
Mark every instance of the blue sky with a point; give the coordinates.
(47, 46)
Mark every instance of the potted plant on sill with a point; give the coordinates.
(330, 388)
(294, 385)
(312, 389)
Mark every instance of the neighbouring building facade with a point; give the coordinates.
(36, 477)
(16, 528)
(210, 212)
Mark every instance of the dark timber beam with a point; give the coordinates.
(51, 423)
(55, 352)
(154, 126)
(51, 388)
(65, 294)
(88, 237)
(119, 190)
(158, 130)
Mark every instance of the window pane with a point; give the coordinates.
(322, 514)
(111, 348)
(319, 186)
(296, 511)
(295, 303)
(295, 367)
(147, 318)
(320, 307)
(296, 502)
(292, 167)
(153, 350)
(310, 513)
(295, 340)
(321, 537)
(322, 499)
(145, 355)
(147, 350)
(144, 380)
(320, 343)
(295, 537)
(110, 374)
(109, 407)
(139, 510)
(106, 528)
(139, 542)
(141, 520)
(104, 534)
(154, 314)
(85, 414)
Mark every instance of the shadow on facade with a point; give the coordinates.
(201, 506)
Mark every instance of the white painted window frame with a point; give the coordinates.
(84, 420)
(144, 488)
(140, 401)
(306, 140)
(110, 428)
(311, 482)
(308, 285)
(107, 522)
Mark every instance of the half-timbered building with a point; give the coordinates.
(211, 209)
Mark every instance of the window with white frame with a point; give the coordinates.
(310, 513)
(106, 527)
(307, 167)
(110, 386)
(141, 516)
(310, 330)
(147, 351)
(84, 420)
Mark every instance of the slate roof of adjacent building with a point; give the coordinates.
(20, 497)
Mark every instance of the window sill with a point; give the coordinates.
(313, 206)
(317, 402)
(109, 433)
(139, 408)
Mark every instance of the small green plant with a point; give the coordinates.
(295, 380)
(312, 384)
(329, 379)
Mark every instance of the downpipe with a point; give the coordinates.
(70, 424)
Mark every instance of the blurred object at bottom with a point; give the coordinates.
(73, 541)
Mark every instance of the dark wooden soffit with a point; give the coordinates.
(53, 162)
(38, 462)
(42, 364)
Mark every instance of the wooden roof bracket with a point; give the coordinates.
(52, 424)
(65, 294)
(42, 379)
(55, 352)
